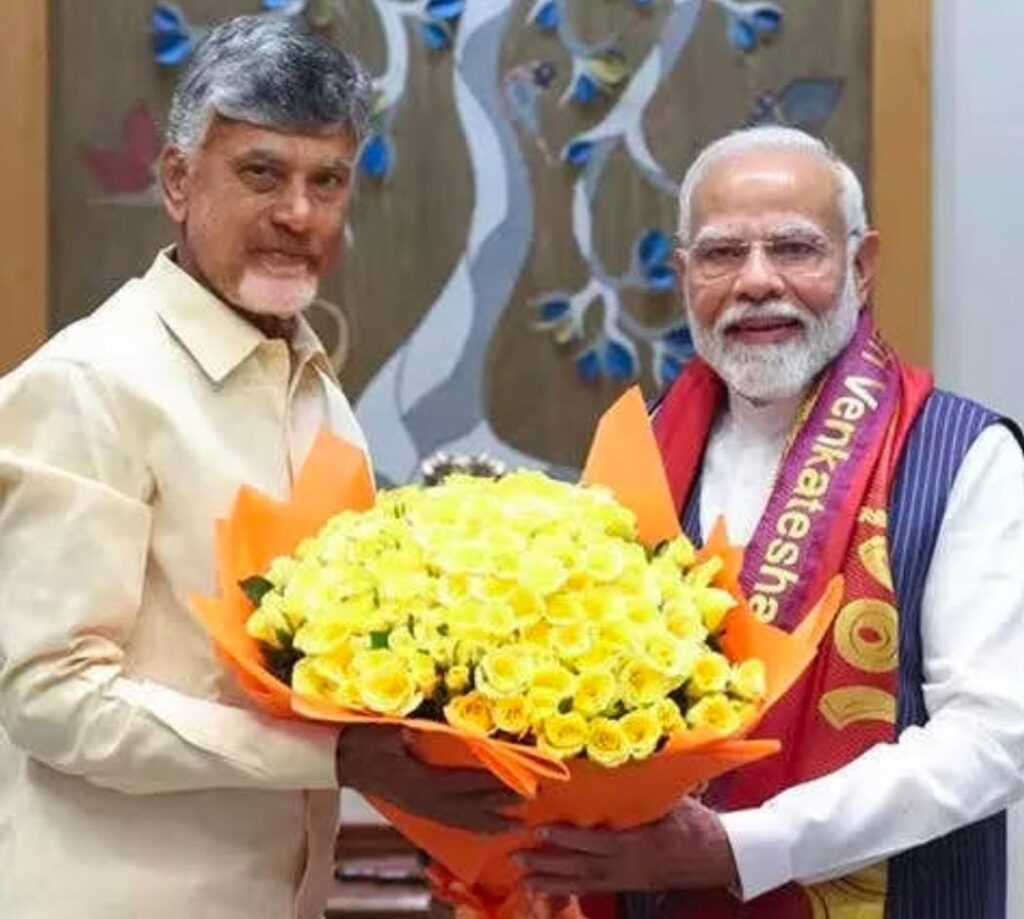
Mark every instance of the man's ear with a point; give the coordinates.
(679, 260)
(174, 179)
(865, 266)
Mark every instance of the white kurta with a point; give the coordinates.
(968, 761)
(138, 782)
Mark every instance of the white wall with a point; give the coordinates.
(978, 132)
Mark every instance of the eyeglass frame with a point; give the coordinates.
(762, 243)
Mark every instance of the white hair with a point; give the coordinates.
(767, 138)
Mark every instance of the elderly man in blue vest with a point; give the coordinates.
(826, 454)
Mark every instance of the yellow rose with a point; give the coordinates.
(710, 674)
(603, 561)
(542, 574)
(570, 641)
(335, 667)
(280, 571)
(607, 743)
(453, 588)
(596, 692)
(643, 731)
(642, 684)
(471, 713)
(716, 712)
(618, 634)
(318, 678)
(565, 608)
(542, 701)
(563, 736)
(269, 624)
(526, 605)
(556, 678)
(469, 651)
(604, 603)
(355, 611)
(388, 687)
(705, 573)
(603, 655)
(397, 584)
(673, 657)
(423, 669)
(464, 557)
(307, 548)
(504, 671)
(456, 679)
(307, 680)
(512, 715)
(680, 552)
(669, 716)
(538, 634)
(400, 640)
(463, 617)
(607, 514)
(748, 680)
(641, 613)
(714, 603)
(683, 619)
(497, 619)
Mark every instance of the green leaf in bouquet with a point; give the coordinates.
(378, 640)
(256, 588)
(281, 661)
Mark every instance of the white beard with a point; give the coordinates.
(764, 373)
(271, 295)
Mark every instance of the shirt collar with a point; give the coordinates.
(217, 338)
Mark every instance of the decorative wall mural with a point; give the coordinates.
(510, 258)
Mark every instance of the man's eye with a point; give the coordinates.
(794, 249)
(259, 175)
(331, 181)
(723, 252)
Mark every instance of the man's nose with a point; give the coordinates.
(758, 279)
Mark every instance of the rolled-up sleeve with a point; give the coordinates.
(74, 545)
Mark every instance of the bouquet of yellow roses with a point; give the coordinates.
(566, 637)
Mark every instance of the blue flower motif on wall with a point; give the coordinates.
(751, 22)
(174, 37)
(651, 256)
(546, 16)
(440, 20)
(377, 156)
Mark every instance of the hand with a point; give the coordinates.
(378, 760)
(686, 849)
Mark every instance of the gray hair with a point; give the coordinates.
(269, 71)
(773, 137)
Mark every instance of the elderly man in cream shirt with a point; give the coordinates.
(136, 781)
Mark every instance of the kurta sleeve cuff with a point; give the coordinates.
(760, 849)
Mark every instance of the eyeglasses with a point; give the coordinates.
(794, 254)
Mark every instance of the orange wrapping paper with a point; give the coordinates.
(477, 872)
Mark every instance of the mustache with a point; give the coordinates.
(783, 310)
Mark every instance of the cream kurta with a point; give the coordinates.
(140, 783)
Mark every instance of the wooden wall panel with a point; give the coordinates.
(902, 186)
(411, 231)
(23, 179)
